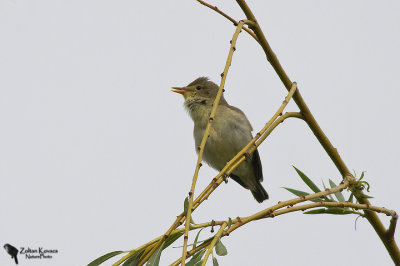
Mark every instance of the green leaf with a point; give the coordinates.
(366, 196)
(307, 180)
(297, 192)
(185, 205)
(351, 198)
(134, 260)
(196, 238)
(337, 211)
(229, 222)
(220, 249)
(154, 260)
(329, 196)
(338, 194)
(355, 222)
(215, 261)
(362, 176)
(196, 258)
(171, 239)
(105, 257)
(300, 193)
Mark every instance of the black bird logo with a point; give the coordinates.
(13, 251)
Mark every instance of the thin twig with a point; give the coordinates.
(392, 227)
(213, 242)
(191, 252)
(336, 205)
(205, 137)
(267, 212)
(232, 164)
(215, 8)
(162, 238)
(332, 152)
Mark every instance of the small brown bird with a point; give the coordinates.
(229, 133)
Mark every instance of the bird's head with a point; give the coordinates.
(201, 90)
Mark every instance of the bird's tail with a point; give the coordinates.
(259, 193)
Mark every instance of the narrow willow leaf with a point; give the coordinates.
(297, 192)
(134, 260)
(154, 260)
(366, 196)
(355, 222)
(196, 258)
(172, 238)
(199, 263)
(351, 198)
(338, 194)
(329, 196)
(196, 238)
(307, 180)
(362, 176)
(220, 249)
(337, 211)
(229, 222)
(215, 261)
(105, 257)
(185, 205)
(300, 193)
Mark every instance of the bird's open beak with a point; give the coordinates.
(179, 90)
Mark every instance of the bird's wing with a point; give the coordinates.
(244, 116)
(257, 166)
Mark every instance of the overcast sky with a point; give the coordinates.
(97, 155)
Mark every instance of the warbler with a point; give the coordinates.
(230, 132)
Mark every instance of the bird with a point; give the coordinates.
(13, 251)
(229, 133)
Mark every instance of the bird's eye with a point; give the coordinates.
(198, 88)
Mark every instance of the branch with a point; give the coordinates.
(191, 252)
(213, 242)
(216, 9)
(392, 228)
(332, 152)
(205, 137)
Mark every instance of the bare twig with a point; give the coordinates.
(213, 242)
(332, 152)
(392, 228)
(205, 137)
(215, 8)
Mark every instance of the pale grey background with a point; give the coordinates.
(96, 153)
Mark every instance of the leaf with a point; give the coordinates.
(362, 176)
(329, 196)
(338, 194)
(185, 209)
(215, 261)
(196, 258)
(300, 193)
(185, 205)
(154, 260)
(196, 238)
(171, 239)
(355, 222)
(366, 196)
(229, 222)
(351, 198)
(134, 260)
(337, 211)
(307, 180)
(105, 257)
(220, 249)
